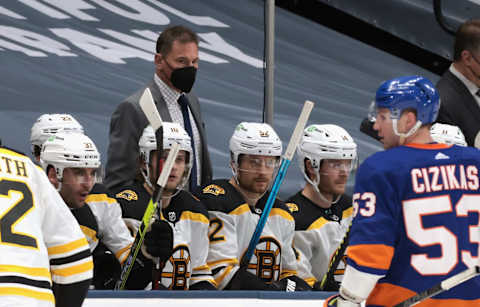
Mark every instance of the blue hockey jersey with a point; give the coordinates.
(417, 222)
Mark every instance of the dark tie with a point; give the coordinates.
(183, 102)
(478, 93)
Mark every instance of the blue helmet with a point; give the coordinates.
(409, 92)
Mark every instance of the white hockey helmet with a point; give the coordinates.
(321, 142)
(447, 134)
(172, 132)
(66, 150)
(50, 124)
(254, 139)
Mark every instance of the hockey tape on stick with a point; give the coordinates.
(335, 260)
(441, 287)
(148, 107)
(147, 104)
(147, 216)
(286, 159)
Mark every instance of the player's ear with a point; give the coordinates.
(310, 170)
(411, 119)
(52, 175)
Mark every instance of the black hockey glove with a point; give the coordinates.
(290, 284)
(159, 240)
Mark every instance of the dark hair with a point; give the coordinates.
(467, 38)
(176, 33)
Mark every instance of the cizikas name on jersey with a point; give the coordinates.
(444, 177)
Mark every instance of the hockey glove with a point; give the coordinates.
(338, 301)
(158, 241)
(291, 284)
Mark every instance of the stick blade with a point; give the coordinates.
(147, 104)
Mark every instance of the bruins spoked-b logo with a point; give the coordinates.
(266, 260)
(177, 270)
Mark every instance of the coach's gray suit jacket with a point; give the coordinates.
(458, 106)
(126, 128)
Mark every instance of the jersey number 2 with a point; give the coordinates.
(416, 208)
(19, 202)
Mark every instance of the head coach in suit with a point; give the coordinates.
(176, 64)
(460, 84)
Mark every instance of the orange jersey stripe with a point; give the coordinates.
(428, 146)
(363, 256)
(386, 294)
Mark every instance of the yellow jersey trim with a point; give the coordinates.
(32, 271)
(99, 198)
(347, 213)
(12, 153)
(310, 281)
(318, 223)
(65, 248)
(197, 217)
(240, 209)
(121, 252)
(75, 269)
(44, 296)
(282, 213)
(231, 261)
(89, 232)
(220, 278)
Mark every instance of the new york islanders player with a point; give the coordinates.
(326, 156)
(180, 237)
(235, 207)
(44, 256)
(417, 207)
(71, 162)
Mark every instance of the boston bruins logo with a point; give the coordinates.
(177, 270)
(127, 195)
(292, 207)
(213, 189)
(266, 260)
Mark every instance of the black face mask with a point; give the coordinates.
(183, 78)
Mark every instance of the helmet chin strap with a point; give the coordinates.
(146, 176)
(315, 183)
(403, 136)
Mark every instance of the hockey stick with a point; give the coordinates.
(335, 260)
(441, 287)
(148, 107)
(286, 159)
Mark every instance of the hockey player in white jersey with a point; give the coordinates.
(71, 163)
(44, 257)
(179, 235)
(447, 134)
(235, 206)
(326, 155)
(50, 124)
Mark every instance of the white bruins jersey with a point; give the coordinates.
(40, 241)
(101, 220)
(232, 223)
(189, 220)
(318, 233)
